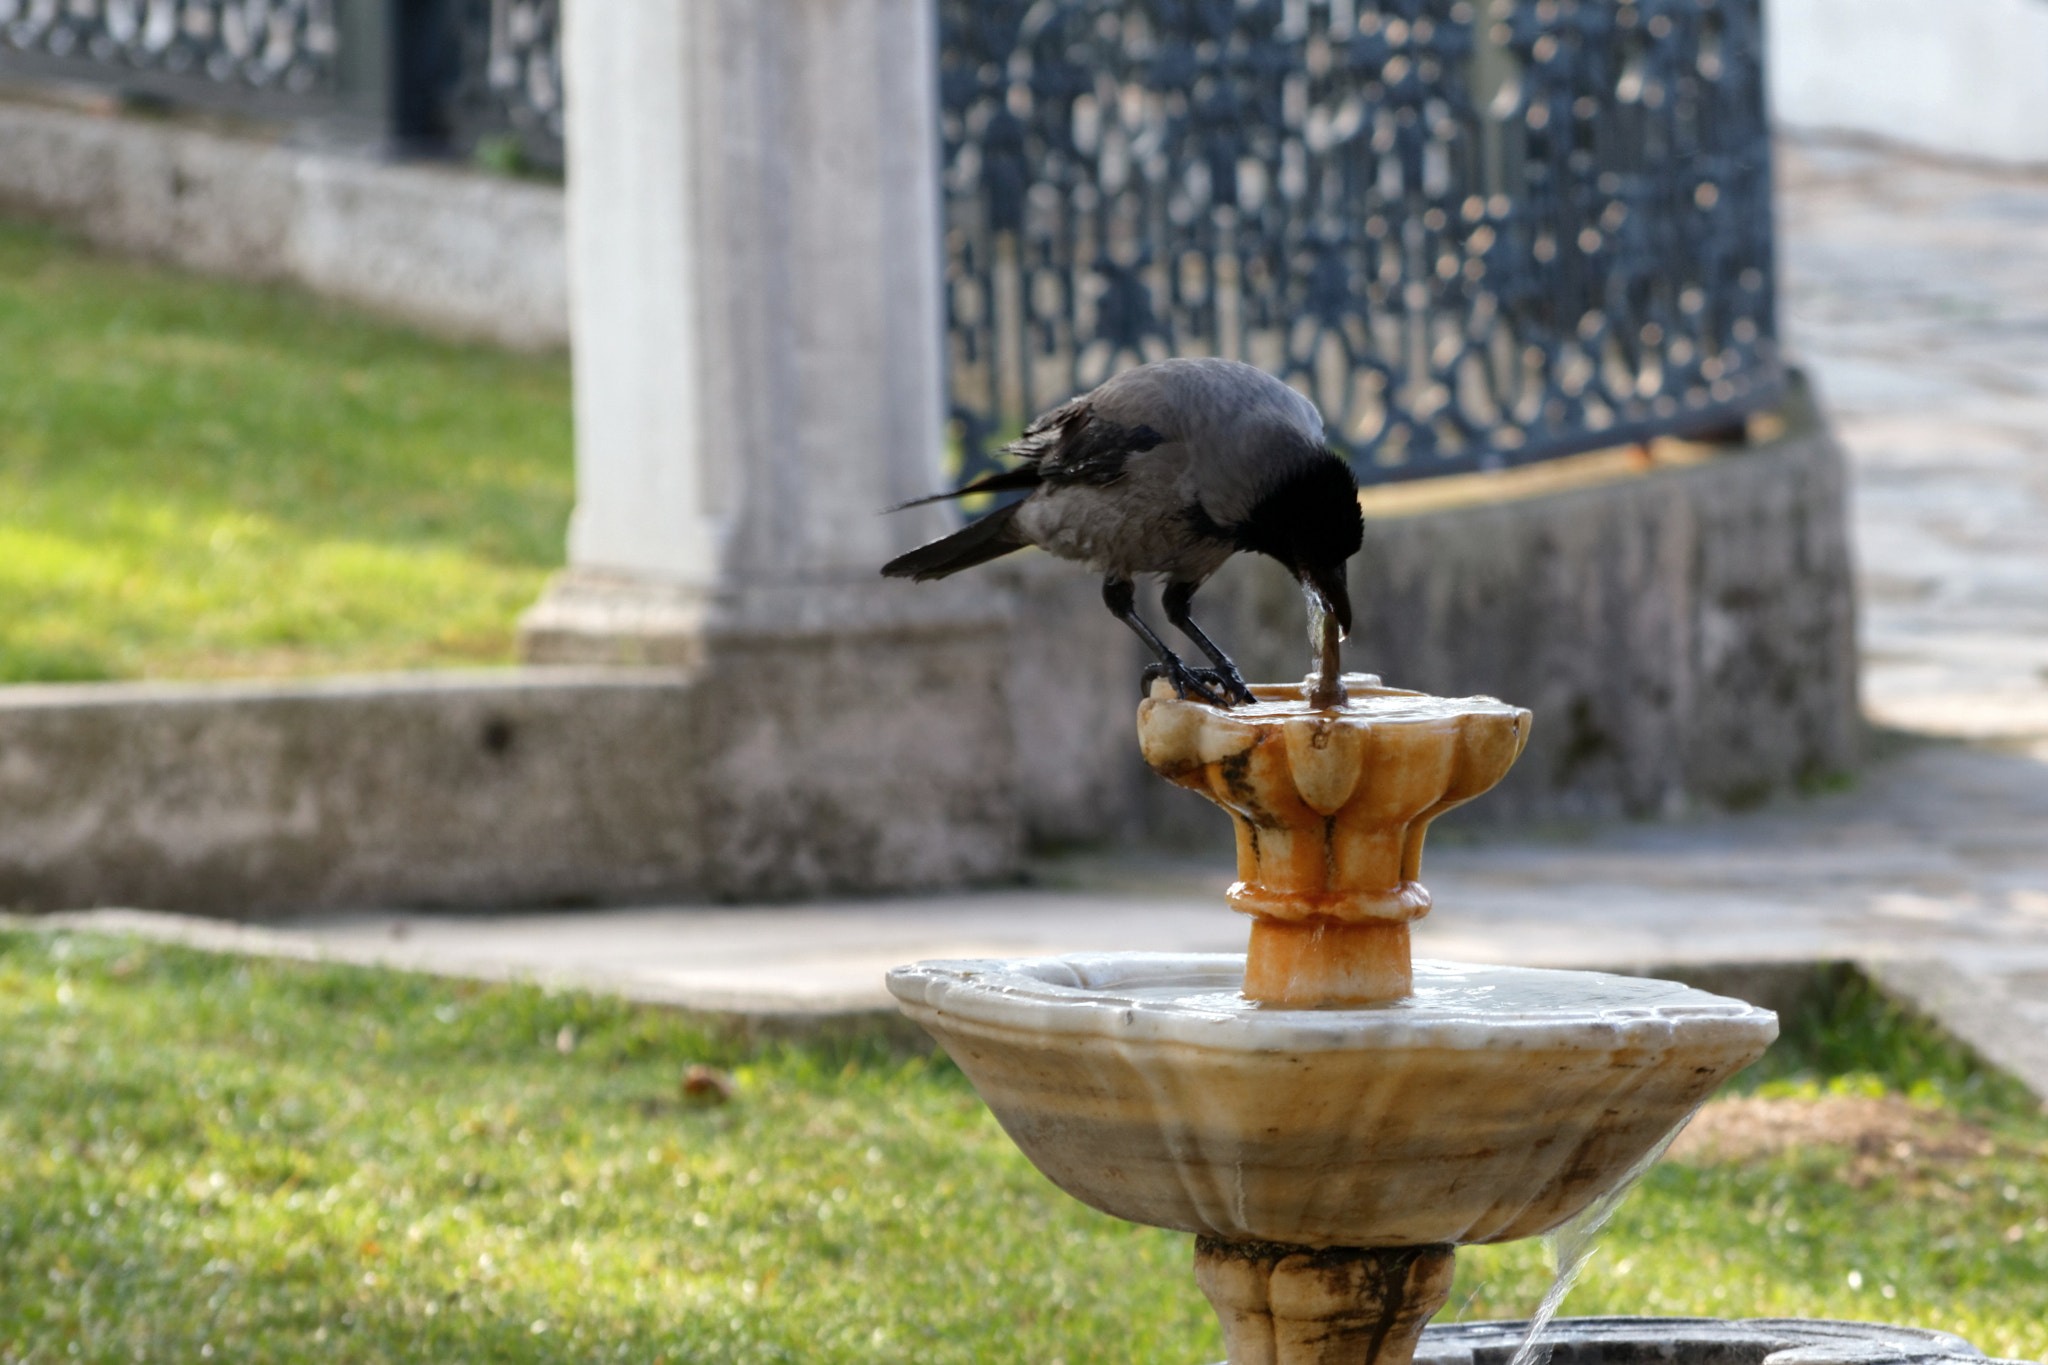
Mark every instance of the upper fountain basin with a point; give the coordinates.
(1331, 806)
(1493, 1104)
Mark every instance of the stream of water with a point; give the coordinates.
(1572, 1245)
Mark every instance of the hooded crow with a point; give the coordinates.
(1169, 469)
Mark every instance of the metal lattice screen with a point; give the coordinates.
(1476, 231)
(510, 82)
(283, 46)
(426, 76)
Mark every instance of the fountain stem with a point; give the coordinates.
(1293, 1305)
(1323, 961)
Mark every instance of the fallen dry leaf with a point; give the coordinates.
(707, 1085)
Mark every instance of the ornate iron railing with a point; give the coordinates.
(510, 82)
(285, 49)
(1478, 232)
(433, 76)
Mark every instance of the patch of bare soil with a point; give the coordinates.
(1887, 1135)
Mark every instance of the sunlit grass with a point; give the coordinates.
(282, 1163)
(290, 1163)
(200, 478)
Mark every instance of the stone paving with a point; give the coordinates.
(1915, 292)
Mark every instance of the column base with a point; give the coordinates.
(845, 737)
(1290, 1305)
(602, 617)
(591, 617)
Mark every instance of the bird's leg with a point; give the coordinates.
(1177, 600)
(1121, 597)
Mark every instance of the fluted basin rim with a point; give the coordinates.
(1132, 997)
(1495, 1103)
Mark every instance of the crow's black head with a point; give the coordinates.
(1310, 522)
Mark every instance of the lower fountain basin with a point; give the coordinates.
(1493, 1104)
(1699, 1341)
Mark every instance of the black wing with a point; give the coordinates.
(1075, 444)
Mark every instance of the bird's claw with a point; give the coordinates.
(1233, 686)
(1197, 684)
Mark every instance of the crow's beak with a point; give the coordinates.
(1325, 583)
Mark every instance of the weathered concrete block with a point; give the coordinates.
(855, 763)
(778, 774)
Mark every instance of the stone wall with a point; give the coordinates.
(450, 250)
(532, 787)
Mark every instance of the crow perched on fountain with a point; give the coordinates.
(1170, 469)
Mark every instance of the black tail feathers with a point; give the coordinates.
(1002, 481)
(978, 542)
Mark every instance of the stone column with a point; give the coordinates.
(755, 271)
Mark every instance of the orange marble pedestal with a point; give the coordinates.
(1331, 807)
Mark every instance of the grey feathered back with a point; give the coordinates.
(1220, 411)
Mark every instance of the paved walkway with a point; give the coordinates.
(1915, 292)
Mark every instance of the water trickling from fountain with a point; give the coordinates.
(1326, 684)
(1572, 1247)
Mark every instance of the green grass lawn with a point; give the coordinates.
(202, 479)
(208, 1157)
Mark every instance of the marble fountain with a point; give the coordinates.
(1328, 1116)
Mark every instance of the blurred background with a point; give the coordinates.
(1690, 353)
(442, 446)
